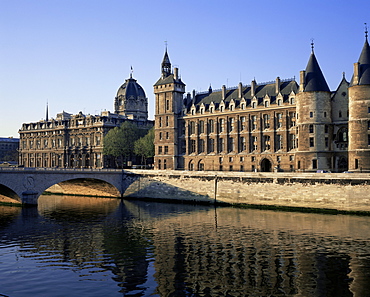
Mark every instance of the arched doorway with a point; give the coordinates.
(191, 165)
(266, 165)
(200, 165)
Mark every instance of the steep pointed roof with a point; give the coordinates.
(315, 80)
(166, 59)
(364, 61)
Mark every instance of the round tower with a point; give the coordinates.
(313, 103)
(359, 113)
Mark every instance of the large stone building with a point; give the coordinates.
(280, 125)
(76, 141)
(9, 149)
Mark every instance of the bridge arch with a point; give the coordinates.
(85, 186)
(8, 195)
(30, 183)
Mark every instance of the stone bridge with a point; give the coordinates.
(27, 184)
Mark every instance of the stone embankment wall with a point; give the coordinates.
(336, 191)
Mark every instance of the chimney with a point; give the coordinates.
(356, 73)
(277, 85)
(187, 99)
(176, 73)
(253, 88)
(302, 80)
(223, 92)
(240, 89)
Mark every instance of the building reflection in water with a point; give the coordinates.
(183, 250)
(261, 253)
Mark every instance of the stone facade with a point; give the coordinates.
(275, 126)
(76, 141)
(8, 149)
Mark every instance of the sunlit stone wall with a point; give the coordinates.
(348, 192)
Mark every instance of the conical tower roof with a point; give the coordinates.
(315, 80)
(166, 59)
(364, 61)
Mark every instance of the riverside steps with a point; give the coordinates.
(338, 192)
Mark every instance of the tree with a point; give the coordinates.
(144, 146)
(119, 142)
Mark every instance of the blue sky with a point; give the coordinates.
(75, 54)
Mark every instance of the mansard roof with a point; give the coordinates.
(314, 78)
(269, 89)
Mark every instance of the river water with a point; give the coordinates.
(81, 246)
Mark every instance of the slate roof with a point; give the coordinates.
(131, 89)
(206, 98)
(166, 59)
(167, 80)
(315, 80)
(364, 61)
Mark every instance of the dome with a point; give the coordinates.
(131, 90)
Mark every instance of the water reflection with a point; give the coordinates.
(105, 247)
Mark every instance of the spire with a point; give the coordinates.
(47, 111)
(166, 64)
(314, 78)
(312, 45)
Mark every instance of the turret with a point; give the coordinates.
(313, 116)
(359, 113)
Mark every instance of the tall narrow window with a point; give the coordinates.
(221, 145)
(210, 126)
(231, 144)
(266, 121)
(201, 127)
(221, 125)
(266, 142)
(242, 146)
(279, 142)
(211, 145)
(201, 146)
(311, 129)
(242, 123)
(231, 124)
(253, 122)
(279, 119)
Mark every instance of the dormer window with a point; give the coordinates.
(267, 104)
(292, 101)
(254, 104)
(279, 102)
